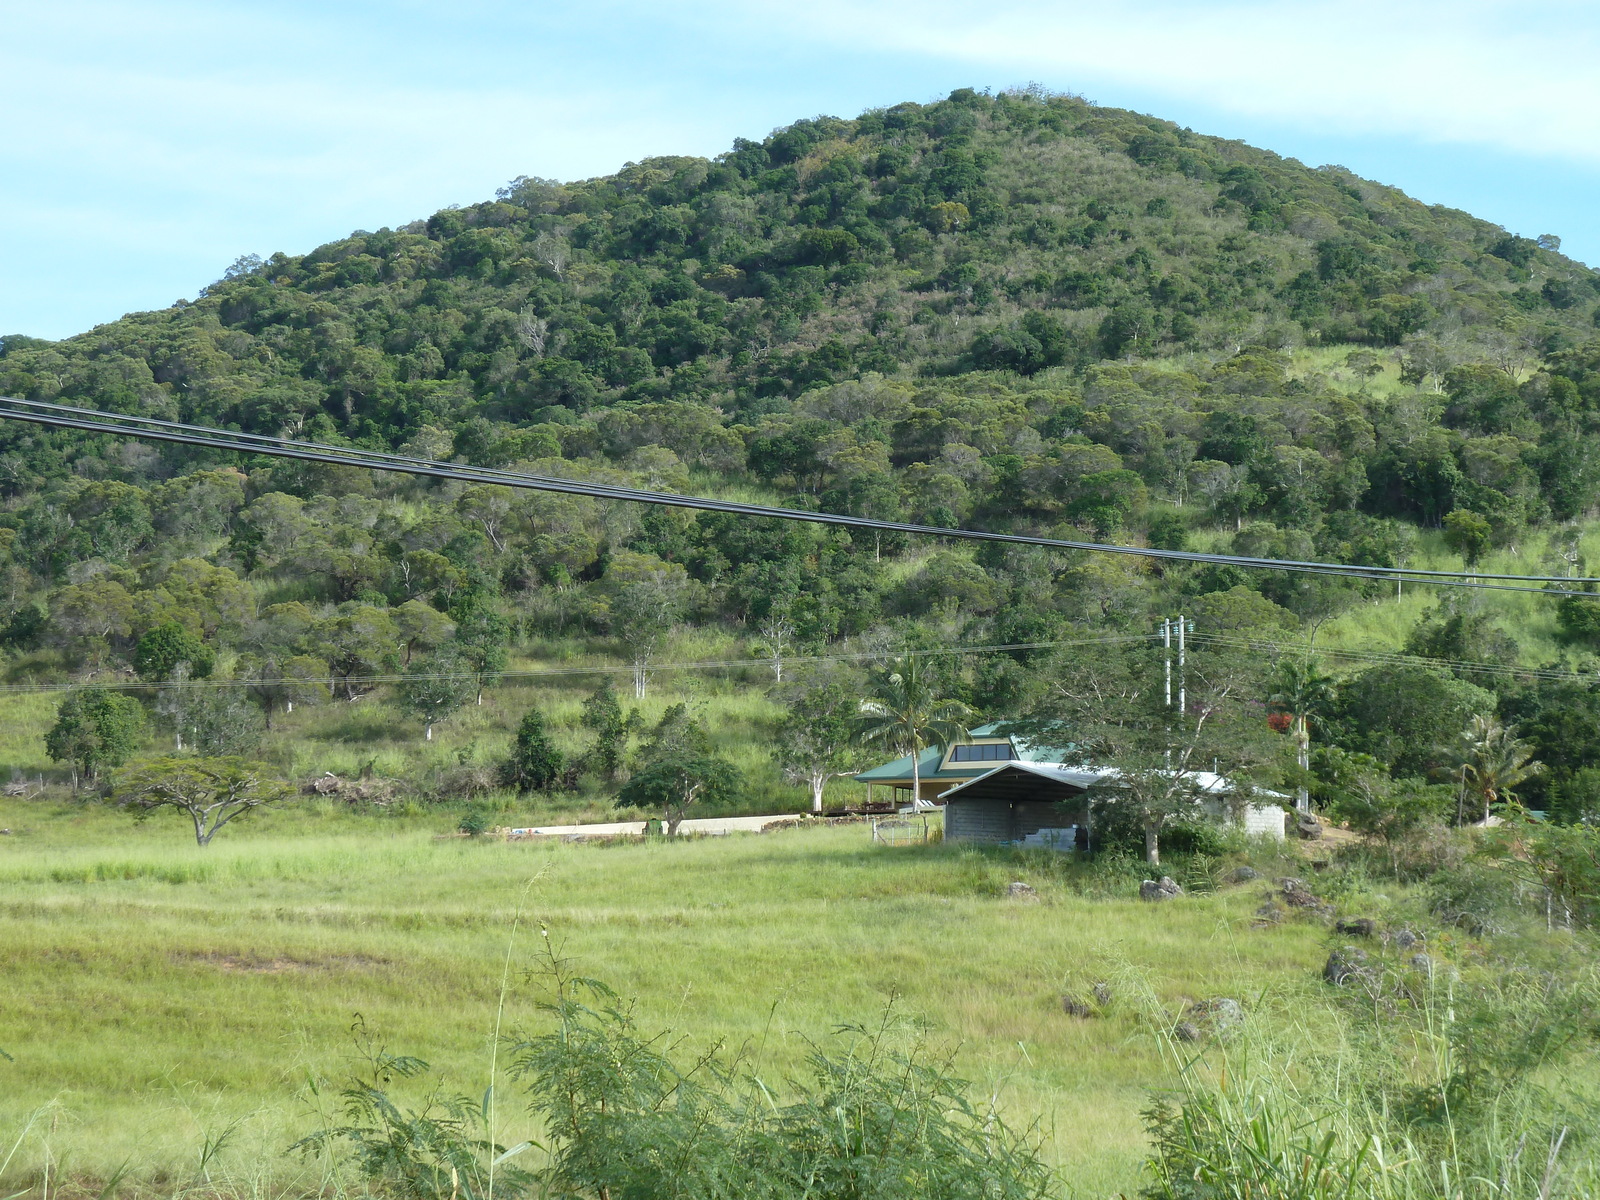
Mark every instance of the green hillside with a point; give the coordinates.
(1019, 312)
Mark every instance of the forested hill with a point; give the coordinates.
(1021, 311)
(1014, 233)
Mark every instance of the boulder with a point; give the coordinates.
(1308, 829)
(1102, 994)
(1405, 939)
(1356, 926)
(1347, 964)
(1165, 888)
(1423, 963)
(1269, 913)
(1294, 893)
(1075, 1006)
(1244, 875)
(1219, 1015)
(1021, 891)
(1186, 1031)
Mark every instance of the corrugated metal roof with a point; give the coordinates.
(899, 770)
(1086, 776)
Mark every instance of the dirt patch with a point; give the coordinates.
(261, 964)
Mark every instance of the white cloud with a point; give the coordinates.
(1520, 77)
(149, 144)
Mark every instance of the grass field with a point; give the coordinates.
(155, 994)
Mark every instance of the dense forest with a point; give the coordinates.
(1019, 312)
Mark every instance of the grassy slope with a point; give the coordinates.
(157, 992)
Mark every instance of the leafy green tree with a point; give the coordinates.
(1303, 694)
(421, 626)
(1579, 618)
(1454, 634)
(212, 720)
(279, 680)
(534, 765)
(677, 778)
(816, 741)
(357, 641)
(160, 651)
(94, 616)
(643, 613)
(1358, 790)
(482, 632)
(602, 716)
(94, 728)
(905, 714)
(1489, 764)
(212, 792)
(435, 688)
(1109, 704)
(1468, 534)
(1406, 716)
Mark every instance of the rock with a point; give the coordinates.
(1186, 1031)
(1423, 963)
(1021, 891)
(1165, 888)
(1269, 913)
(1244, 875)
(1308, 829)
(1405, 939)
(1218, 1015)
(1102, 994)
(1356, 927)
(1303, 899)
(1075, 1007)
(1295, 894)
(1346, 964)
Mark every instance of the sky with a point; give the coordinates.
(150, 143)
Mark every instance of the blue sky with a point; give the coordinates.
(150, 144)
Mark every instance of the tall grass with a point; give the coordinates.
(139, 969)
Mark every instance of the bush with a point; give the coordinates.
(872, 1121)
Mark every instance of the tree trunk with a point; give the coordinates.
(916, 776)
(427, 731)
(817, 784)
(1152, 844)
(1303, 757)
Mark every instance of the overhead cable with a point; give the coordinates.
(152, 429)
(553, 672)
(1395, 658)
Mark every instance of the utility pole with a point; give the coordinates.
(1166, 642)
(1183, 691)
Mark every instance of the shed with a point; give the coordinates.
(1016, 802)
(1044, 803)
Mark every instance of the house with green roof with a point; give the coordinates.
(941, 768)
(1000, 789)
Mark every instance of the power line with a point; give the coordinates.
(553, 672)
(152, 429)
(1398, 658)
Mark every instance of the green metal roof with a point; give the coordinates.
(899, 770)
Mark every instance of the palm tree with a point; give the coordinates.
(1301, 693)
(1492, 763)
(905, 714)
